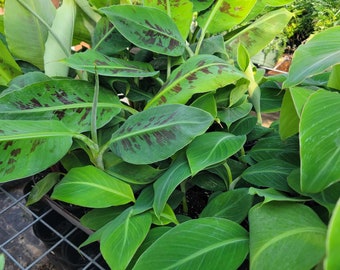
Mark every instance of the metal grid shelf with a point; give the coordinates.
(24, 251)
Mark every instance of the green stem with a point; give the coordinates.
(168, 70)
(190, 52)
(94, 154)
(205, 27)
(94, 134)
(184, 201)
(230, 176)
(234, 183)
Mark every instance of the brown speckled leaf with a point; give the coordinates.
(69, 101)
(148, 28)
(201, 73)
(158, 133)
(28, 147)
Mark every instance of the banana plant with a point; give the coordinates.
(162, 120)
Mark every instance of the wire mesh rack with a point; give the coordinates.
(25, 248)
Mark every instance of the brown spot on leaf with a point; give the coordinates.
(62, 96)
(206, 70)
(36, 102)
(87, 111)
(15, 152)
(163, 99)
(10, 170)
(177, 88)
(201, 63)
(192, 77)
(60, 114)
(225, 8)
(8, 144)
(11, 161)
(35, 144)
(163, 136)
(22, 105)
(127, 145)
(147, 139)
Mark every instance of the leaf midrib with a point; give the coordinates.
(206, 250)
(63, 107)
(285, 235)
(101, 187)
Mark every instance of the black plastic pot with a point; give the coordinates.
(73, 259)
(57, 222)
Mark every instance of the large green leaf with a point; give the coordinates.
(25, 33)
(224, 15)
(320, 141)
(216, 146)
(69, 101)
(164, 186)
(292, 104)
(28, 147)
(332, 260)
(318, 54)
(284, 236)
(205, 243)
(148, 28)
(259, 34)
(97, 62)
(9, 69)
(91, 187)
(119, 244)
(180, 11)
(273, 148)
(200, 74)
(269, 173)
(160, 132)
(233, 205)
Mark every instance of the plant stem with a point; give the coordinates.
(205, 27)
(184, 201)
(230, 176)
(168, 70)
(234, 183)
(94, 135)
(190, 52)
